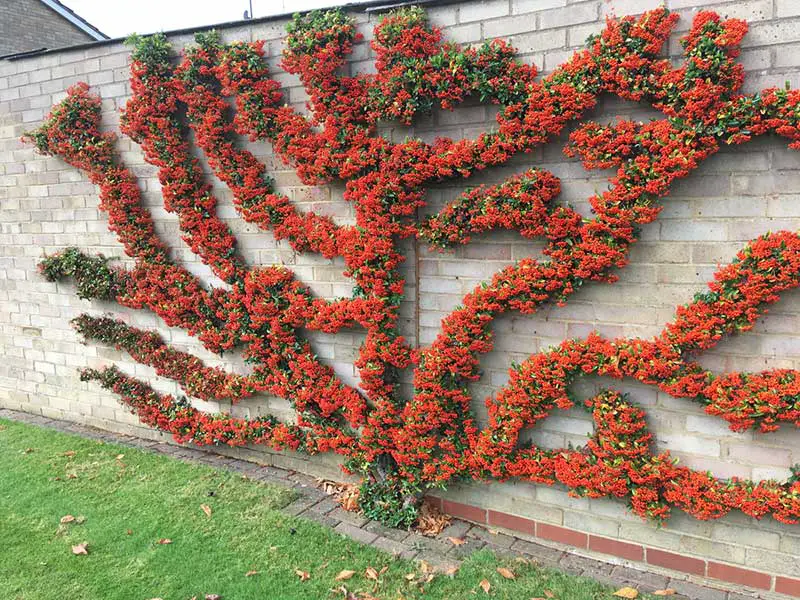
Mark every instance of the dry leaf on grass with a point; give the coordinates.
(627, 592)
(664, 592)
(251, 573)
(371, 573)
(82, 548)
(213, 597)
(68, 453)
(206, 509)
(164, 541)
(303, 575)
(411, 577)
(457, 541)
(344, 575)
(507, 573)
(549, 594)
(425, 567)
(451, 571)
(348, 595)
(485, 585)
(66, 519)
(431, 521)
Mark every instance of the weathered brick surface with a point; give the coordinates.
(732, 198)
(30, 24)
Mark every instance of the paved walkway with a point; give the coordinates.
(312, 503)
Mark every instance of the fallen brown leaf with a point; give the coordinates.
(485, 585)
(69, 453)
(383, 569)
(507, 573)
(164, 541)
(549, 594)
(346, 493)
(451, 571)
(344, 575)
(82, 548)
(348, 595)
(664, 592)
(213, 597)
(431, 520)
(129, 531)
(71, 476)
(411, 577)
(425, 567)
(627, 592)
(457, 541)
(206, 509)
(371, 573)
(329, 486)
(251, 573)
(120, 456)
(348, 498)
(66, 519)
(303, 575)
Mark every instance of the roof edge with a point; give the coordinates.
(74, 18)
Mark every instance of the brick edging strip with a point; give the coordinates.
(621, 549)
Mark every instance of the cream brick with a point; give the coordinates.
(480, 11)
(524, 6)
(540, 40)
(628, 7)
(787, 8)
(711, 549)
(569, 16)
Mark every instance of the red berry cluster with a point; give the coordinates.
(404, 448)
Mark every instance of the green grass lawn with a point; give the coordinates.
(125, 501)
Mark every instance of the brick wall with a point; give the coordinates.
(29, 24)
(735, 196)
